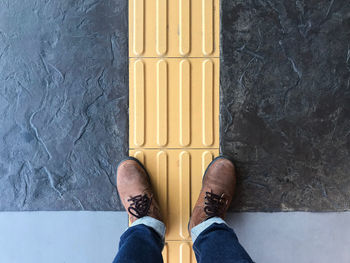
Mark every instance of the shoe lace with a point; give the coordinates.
(140, 205)
(214, 204)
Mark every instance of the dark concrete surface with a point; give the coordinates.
(63, 103)
(285, 103)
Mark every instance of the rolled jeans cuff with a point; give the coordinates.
(153, 223)
(198, 229)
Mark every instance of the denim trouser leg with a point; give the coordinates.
(214, 241)
(142, 242)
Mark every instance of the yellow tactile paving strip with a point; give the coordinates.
(174, 28)
(174, 104)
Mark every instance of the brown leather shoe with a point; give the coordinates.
(218, 187)
(135, 190)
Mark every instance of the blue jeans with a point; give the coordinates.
(213, 241)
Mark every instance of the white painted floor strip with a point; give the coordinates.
(92, 237)
(60, 237)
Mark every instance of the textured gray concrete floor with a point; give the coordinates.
(63, 103)
(92, 237)
(285, 102)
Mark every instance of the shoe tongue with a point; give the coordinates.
(218, 188)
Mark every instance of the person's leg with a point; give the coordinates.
(144, 239)
(213, 240)
(142, 242)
